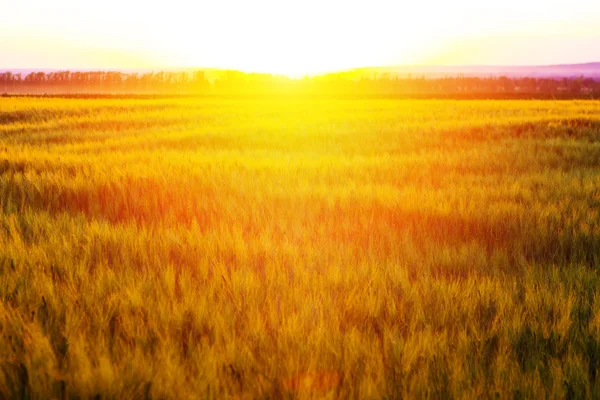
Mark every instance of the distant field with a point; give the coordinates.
(215, 248)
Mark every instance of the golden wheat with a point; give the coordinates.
(309, 248)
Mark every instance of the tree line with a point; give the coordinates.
(101, 81)
(343, 83)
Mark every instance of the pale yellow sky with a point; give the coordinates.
(295, 37)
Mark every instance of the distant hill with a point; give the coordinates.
(588, 70)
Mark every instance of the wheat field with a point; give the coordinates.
(299, 248)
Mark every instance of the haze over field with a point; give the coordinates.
(312, 199)
(589, 70)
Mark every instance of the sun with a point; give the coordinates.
(294, 53)
(268, 37)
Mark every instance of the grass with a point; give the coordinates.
(222, 248)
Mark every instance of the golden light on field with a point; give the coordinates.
(298, 247)
(295, 38)
(173, 229)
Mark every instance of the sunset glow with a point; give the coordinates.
(318, 199)
(295, 38)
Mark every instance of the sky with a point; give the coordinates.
(295, 37)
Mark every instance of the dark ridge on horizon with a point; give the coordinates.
(588, 69)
